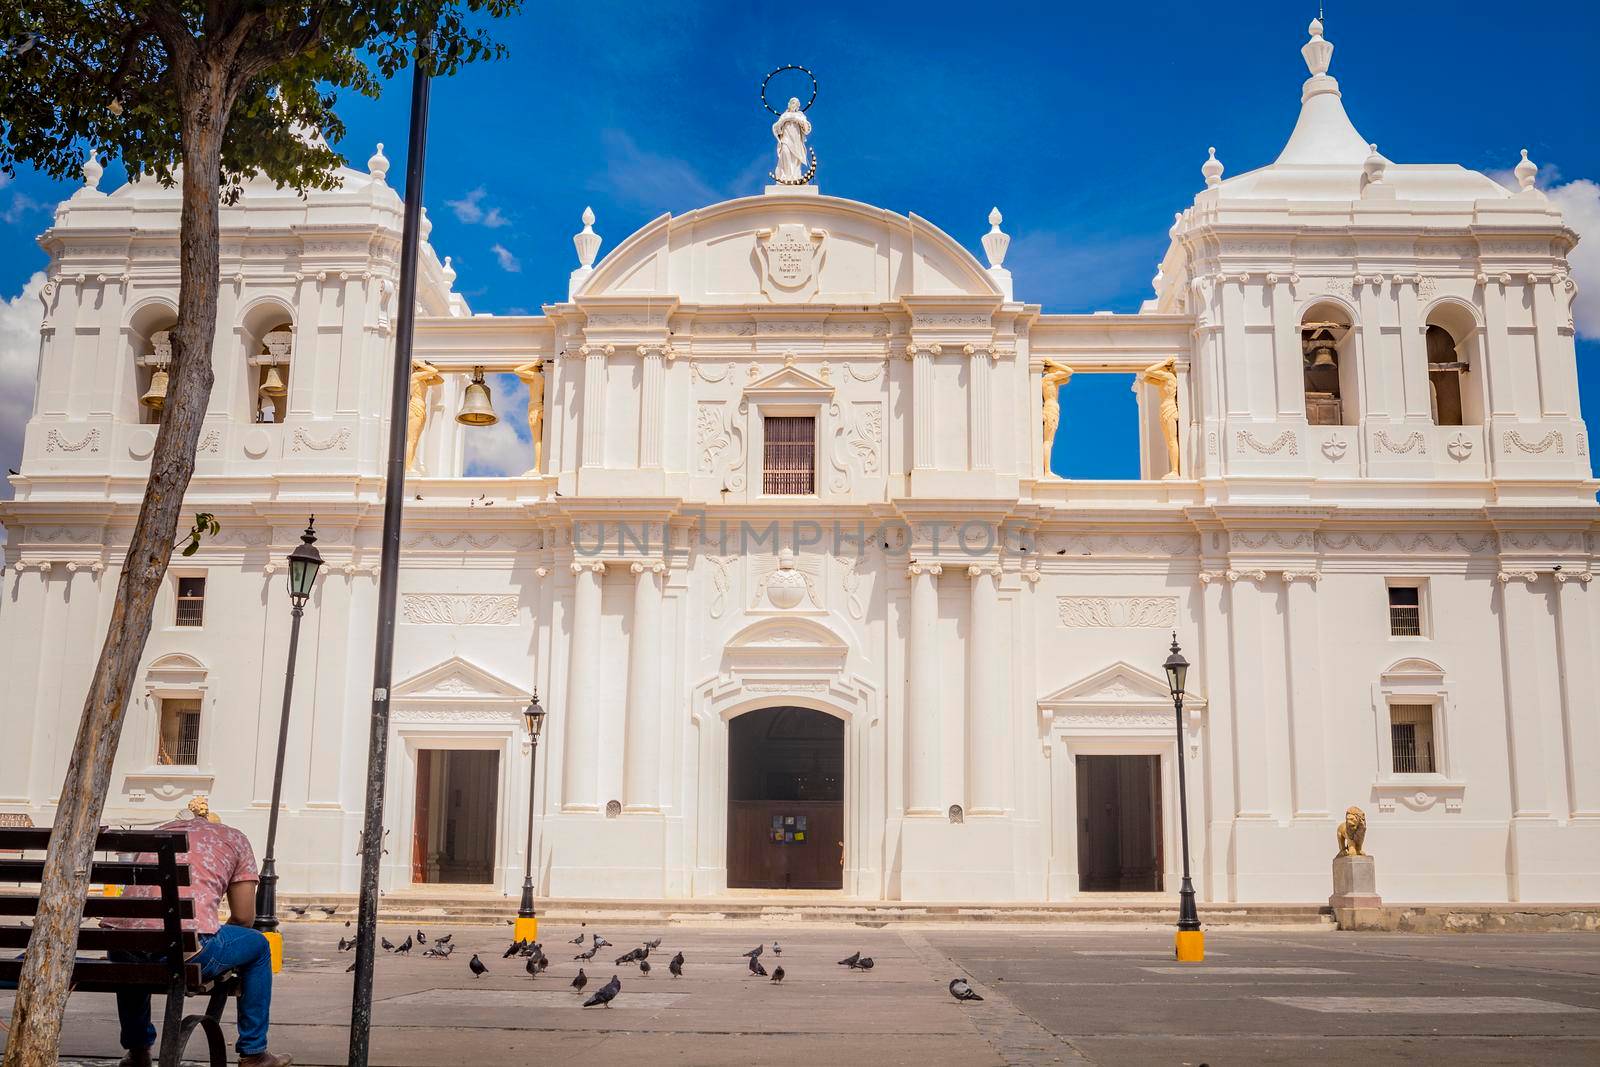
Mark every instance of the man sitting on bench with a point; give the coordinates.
(221, 864)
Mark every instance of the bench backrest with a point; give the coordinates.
(170, 945)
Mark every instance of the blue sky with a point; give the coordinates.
(1085, 124)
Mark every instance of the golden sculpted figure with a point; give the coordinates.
(424, 376)
(1163, 376)
(1352, 832)
(532, 375)
(1055, 376)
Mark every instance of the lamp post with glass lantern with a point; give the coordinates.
(1190, 940)
(526, 927)
(304, 562)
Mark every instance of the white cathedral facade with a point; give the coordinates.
(790, 572)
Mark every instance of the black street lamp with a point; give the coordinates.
(1190, 942)
(304, 562)
(527, 924)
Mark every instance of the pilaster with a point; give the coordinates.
(922, 747)
(581, 758)
(641, 767)
(988, 733)
(1580, 706)
(1308, 734)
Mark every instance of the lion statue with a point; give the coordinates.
(1352, 832)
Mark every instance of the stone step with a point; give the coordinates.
(475, 910)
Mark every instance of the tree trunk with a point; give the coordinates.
(42, 991)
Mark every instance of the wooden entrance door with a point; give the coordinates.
(786, 800)
(457, 821)
(1119, 824)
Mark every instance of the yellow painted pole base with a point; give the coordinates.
(526, 929)
(1191, 946)
(275, 943)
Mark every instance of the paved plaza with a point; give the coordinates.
(1053, 995)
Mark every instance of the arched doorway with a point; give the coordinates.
(785, 800)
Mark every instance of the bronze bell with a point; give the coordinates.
(476, 407)
(1322, 354)
(155, 397)
(272, 384)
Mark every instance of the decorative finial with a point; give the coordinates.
(1526, 171)
(92, 170)
(1212, 168)
(995, 242)
(426, 226)
(449, 272)
(1318, 52)
(1177, 220)
(1374, 166)
(378, 165)
(587, 241)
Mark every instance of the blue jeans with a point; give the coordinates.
(232, 948)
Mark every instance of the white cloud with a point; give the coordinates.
(20, 317)
(508, 262)
(21, 204)
(469, 209)
(642, 178)
(504, 449)
(1579, 201)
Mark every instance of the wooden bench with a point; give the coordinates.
(166, 950)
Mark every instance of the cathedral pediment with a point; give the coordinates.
(788, 380)
(1120, 684)
(457, 679)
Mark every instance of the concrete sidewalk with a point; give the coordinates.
(1053, 996)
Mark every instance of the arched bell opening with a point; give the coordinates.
(1454, 395)
(1328, 366)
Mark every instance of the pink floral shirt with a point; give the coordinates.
(218, 857)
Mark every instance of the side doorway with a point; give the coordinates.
(1119, 824)
(786, 800)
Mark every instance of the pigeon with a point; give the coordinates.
(422, 938)
(600, 942)
(532, 968)
(756, 968)
(630, 956)
(777, 973)
(347, 924)
(346, 944)
(512, 949)
(851, 961)
(587, 955)
(405, 947)
(865, 964)
(387, 947)
(445, 940)
(605, 994)
(776, 951)
(477, 965)
(653, 944)
(543, 962)
(753, 953)
(579, 982)
(577, 940)
(675, 965)
(644, 968)
(350, 968)
(962, 991)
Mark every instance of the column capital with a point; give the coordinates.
(593, 350)
(987, 348)
(915, 568)
(1563, 577)
(977, 569)
(912, 348)
(1312, 576)
(1505, 577)
(1237, 576)
(663, 349)
(1207, 577)
(595, 565)
(654, 566)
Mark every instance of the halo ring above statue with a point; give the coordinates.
(780, 70)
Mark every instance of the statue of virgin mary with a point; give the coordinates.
(791, 130)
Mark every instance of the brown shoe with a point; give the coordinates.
(135, 1057)
(265, 1059)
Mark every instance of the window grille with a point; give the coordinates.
(180, 733)
(1411, 738)
(191, 602)
(789, 455)
(1405, 611)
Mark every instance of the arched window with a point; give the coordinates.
(1451, 342)
(1327, 368)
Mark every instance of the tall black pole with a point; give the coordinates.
(1188, 917)
(525, 910)
(267, 890)
(389, 566)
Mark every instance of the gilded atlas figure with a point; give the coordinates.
(1164, 377)
(532, 375)
(1055, 376)
(424, 376)
(1352, 832)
